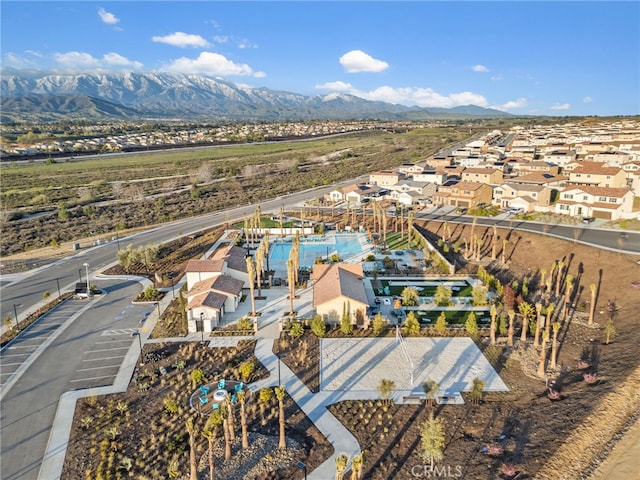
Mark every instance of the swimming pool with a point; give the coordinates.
(343, 245)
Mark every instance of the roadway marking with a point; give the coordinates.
(97, 368)
(103, 358)
(107, 349)
(111, 342)
(124, 331)
(91, 378)
(9, 364)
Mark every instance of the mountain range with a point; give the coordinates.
(41, 96)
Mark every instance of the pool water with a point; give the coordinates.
(343, 245)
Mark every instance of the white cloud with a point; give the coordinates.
(480, 68)
(76, 60)
(259, 74)
(210, 63)
(106, 17)
(182, 40)
(560, 106)
(422, 97)
(336, 86)
(79, 60)
(221, 38)
(511, 104)
(10, 59)
(117, 60)
(587, 99)
(496, 78)
(357, 61)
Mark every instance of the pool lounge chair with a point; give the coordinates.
(239, 386)
(204, 389)
(204, 400)
(221, 384)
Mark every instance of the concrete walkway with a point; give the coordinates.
(272, 308)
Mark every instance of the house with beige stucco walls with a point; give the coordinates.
(338, 289)
(598, 202)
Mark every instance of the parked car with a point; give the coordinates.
(588, 219)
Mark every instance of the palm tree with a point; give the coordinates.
(241, 396)
(266, 394)
(341, 465)
(527, 311)
(356, 466)
(210, 432)
(554, 344)
(280, 391)
(251, 273)
(547, 322)
(592, 306)
(494, 243)
(512, 316)
(193, 475)
(559, 277)
(430, 388)
(536, 337)
(567, 295)
(282, 221)
(224, 413)
(230, 419)
(543, 354)
(259, 267)
(292, 283)
(492, 328)
(409, 234)
(503, 254)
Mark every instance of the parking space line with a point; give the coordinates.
(102, 358)
(107, 349)
(97, 368)
(114, 341)
(92, 378)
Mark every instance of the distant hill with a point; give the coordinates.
(29, 95)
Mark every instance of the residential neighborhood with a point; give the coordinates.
(567, 169)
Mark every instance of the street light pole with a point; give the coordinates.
(158, 305)
(201, 328)
(80, 274)
(302, 466)
(15, 311)
(86, 266)
(137, 334)
(58, 283)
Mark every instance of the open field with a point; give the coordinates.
(103, 195)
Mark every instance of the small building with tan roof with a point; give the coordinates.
(339, 289)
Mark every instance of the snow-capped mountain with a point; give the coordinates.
(175, 95)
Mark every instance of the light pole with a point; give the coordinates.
(137, 334)
(173, 293)
(201, 328)
(158, 305)
(80, 274)
(86, 266)
(15, 311)
(302, 466)
(58, 283)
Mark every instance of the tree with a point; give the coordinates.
(443, 296)
(411, 325)
(241, 396)
(441, 324)
(430, 389)
(280, 391)
(536, 337)
(410, 296)
(385, 389)
(197, 377)
(432, 440)
(549, 316)
(512, 315)
(479, 294)
(345, 322)
(246, 368)
(554, 344)
(210, 432)
(494, 243)
(260, 267)
(193, 469)
(609, 331)
(230, 418)
(292, 283)
(251, 274)
(527, 311)
(378, 324)
(492, 329)
(318, 327)
(477, 390)
(356, 466)
(592, 306)
(471, 325)
(342, 461)
(224, 413)
(543, 354)
(265, 396)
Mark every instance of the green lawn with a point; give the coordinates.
(458, 317)
(427, 291)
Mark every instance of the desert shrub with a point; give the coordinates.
(197, 377)
(296, 329)
(245, 324)
(246, 369)
(318, 327)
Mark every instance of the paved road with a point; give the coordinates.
(84, 353)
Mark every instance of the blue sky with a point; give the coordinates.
(543, 58)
